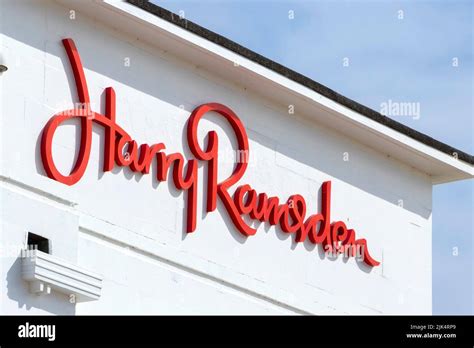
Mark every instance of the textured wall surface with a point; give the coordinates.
(129, 228)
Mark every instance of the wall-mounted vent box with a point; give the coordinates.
(45, 272)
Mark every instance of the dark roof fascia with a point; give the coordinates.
(299, 78)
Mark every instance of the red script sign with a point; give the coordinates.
(290, 215)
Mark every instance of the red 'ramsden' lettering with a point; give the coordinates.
(120, 149)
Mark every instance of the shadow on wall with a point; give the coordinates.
(163, 79)
(17, 290)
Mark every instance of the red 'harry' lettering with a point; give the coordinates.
(290, 215)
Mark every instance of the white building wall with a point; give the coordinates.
(130, 229)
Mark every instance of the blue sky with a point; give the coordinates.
(403, 56)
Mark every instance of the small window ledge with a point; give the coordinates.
(45, 272)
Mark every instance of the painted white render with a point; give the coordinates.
(129, 229)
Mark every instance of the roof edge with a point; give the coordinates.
(300, 78)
